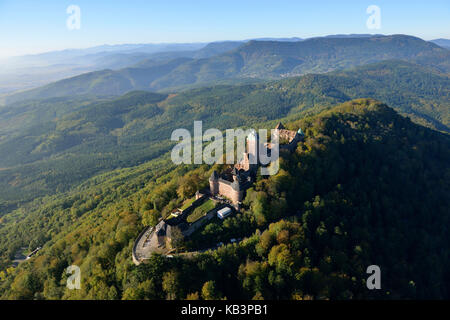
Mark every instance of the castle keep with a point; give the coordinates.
(233, 183)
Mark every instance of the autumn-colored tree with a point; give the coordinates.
(193, 296)
(209, 291)
(171, 285)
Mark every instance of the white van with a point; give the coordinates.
(223, 213)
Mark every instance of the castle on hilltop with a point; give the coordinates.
(233, 182)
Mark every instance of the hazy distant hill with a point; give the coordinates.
(292, 39)
(20, 73)
(32, 71)
(212, 49)
(77, 55)
(442, 42)
(254, 59)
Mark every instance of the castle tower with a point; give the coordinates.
(235, 174)
(245, 162)
(299, 135)
(214, 183)
(237, 192)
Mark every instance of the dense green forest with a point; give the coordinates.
(51, 145)
(250, 60)
(366, 186)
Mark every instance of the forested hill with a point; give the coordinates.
(252, 60)
(54, 144)
(411, 89)
(367, 187)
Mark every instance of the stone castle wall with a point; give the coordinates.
(224, 188)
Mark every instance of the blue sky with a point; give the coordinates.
(28, 26)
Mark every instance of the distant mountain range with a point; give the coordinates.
(70, 55)
(239, 62)
(442, 42)
(24, 72)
